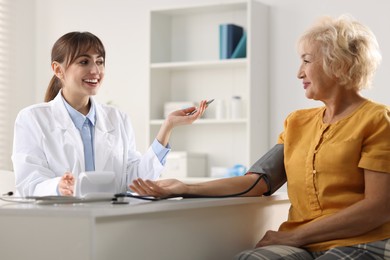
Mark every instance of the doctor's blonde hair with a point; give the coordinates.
(66, 50)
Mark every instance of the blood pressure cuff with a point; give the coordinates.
(271, 167)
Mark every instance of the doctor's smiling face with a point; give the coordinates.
(83, 77)
(78, 63)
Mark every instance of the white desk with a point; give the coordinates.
(190, 229)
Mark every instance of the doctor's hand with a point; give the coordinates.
(66, 184)
(187, 115)
(179, 117)
(159, 189)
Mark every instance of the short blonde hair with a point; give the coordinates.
(350, 50)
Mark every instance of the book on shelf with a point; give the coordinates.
(240, 50)
(229, 37)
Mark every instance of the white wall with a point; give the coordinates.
(289, 18)
(21, 69)
(122, 25)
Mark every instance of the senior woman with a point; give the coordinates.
(336, 157)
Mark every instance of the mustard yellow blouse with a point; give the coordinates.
(325, 165)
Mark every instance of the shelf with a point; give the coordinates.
(206, 8)
(207, 121)
(184, 66)
(230, 63)
(178, 34)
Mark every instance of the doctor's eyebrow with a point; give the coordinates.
(88, 56)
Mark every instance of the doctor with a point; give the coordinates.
(71, 133)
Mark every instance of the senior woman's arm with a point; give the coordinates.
(220, 187)
(361, 217)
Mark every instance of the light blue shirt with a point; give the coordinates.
(86, 126)
(90, 120)
(160, 151)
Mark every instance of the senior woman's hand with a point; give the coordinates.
(159, 189)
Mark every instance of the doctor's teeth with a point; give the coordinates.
(91, 80)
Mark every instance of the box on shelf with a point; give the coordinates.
(185, 164)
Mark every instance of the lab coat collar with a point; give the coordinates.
(64, 121)
(104, 132)
(77, 117)
(61, 115)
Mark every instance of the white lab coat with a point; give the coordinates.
(47, 144)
